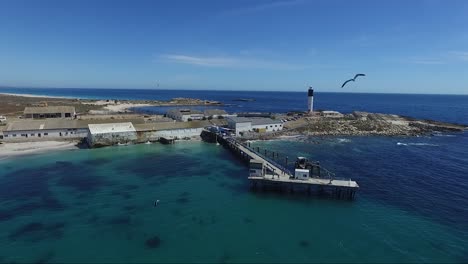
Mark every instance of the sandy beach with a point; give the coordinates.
(123, 107)
(27, 148)
(37, 96)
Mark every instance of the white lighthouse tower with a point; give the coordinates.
(310, 100)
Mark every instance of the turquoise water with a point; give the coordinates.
(98, 206)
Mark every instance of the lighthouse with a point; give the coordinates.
(310, 100)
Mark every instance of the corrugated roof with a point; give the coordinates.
(256, 121)
(264, 121)
(171, 125)
(237, 119)
(210, 112)
(44, 124)
(111, 128)
(49, 109)
(62, 123)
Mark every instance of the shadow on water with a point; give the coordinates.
(45, 258)
(248, 220)
(31, 185)
(225, 258)
(125, 195)
(122, 220)
(153, 242)
(28, 189)
(157, 166)
(80, 178)
(37, 231)
(96, 162)
(304, 243)
(183, 198)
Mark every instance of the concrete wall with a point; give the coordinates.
(247, 126)
(269, 128)
(50, 115)
(184, 116)
(241, 127)
(44, 134)
(144, 136)
(109, 139)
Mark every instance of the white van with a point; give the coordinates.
(2, 119)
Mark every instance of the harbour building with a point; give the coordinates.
(257, 124)
(49, 112)
(185, 114)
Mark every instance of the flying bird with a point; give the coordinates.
(353, 79)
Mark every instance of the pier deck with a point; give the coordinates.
(277, 174)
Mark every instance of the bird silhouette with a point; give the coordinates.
(353, 79)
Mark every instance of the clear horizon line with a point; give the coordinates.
(225, 90)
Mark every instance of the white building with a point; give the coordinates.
(185, 114)
(258, 124)
(111, 134)
(215, 113)
(49, 112)
(176, 130)
(332, 114)
(40, 130)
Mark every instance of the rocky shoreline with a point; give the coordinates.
(353, 124)
(359, 124)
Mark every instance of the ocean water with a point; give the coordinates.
(97, 205)
(449, 108)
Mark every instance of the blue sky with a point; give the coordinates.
(402, 46)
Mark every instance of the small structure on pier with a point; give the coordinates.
(256, 168)
(264, 171)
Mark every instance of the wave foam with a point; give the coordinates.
(417, 144)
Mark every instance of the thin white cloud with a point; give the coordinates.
(229, 62)
(460, 55)
(202, 61)
(263, 7)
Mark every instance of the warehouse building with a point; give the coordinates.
(174, 130)
(50, 129)
(49, 112)
(111, 134)
(185, 114)
(257, 124)
(331, 114)
(215, 113)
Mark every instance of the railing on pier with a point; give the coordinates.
(324, 173)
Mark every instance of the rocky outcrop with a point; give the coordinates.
(360, 124)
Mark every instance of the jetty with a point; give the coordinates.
(265, 172)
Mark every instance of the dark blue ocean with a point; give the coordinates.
(450, 108)
(96, 205)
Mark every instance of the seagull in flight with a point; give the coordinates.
(353, 79)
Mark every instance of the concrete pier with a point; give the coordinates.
(280, 177)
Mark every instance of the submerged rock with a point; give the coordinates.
(304, 243)
(153, 242)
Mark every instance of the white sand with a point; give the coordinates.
(26, 148)
(123, 107)
(37, 96)
(99, 102)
